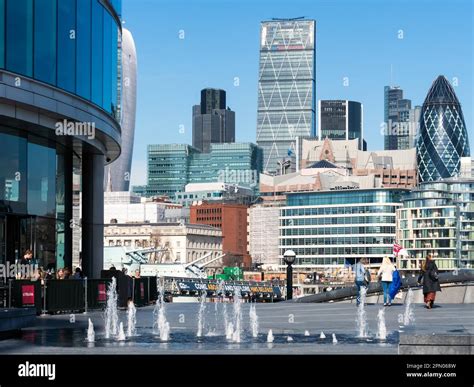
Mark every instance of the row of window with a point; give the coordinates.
(337, 241)
(338, 251)
(339, 230)
(337, 210)
(369, 219)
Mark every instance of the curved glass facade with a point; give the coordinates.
(70, 44)
(443, 136)
(32, 194)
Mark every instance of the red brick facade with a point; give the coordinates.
(232, 220)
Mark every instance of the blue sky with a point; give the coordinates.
(354, 39)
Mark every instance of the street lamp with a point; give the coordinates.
(289, 257)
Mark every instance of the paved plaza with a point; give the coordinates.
(65, 334)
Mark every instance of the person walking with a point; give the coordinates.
(429, 276)
(395, 285)
(385, 273)
(362, 277)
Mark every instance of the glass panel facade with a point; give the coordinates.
(19, 39)
(50, 40)
(339, 227)
(2, 33)
(45, 41)
(97, 53)
(32, 193)
(171, 167)
(83, 45)
(107, 58)
(67, 45)
(286, 87)
(41, 180)
(13, 173)
(443, 136)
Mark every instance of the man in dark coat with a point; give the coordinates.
(430, 277)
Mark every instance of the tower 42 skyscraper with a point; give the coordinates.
(286, 87)
(443, 136)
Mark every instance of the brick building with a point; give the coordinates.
(232, 220)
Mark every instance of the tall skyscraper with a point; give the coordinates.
(213, 122)
(443, 137)
(400, 120)
(341, 120)
(286, 88)
(117, 175)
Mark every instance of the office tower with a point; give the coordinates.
(400, 120)
(172, 166)
(68, 93)
(334, 228)
(213, 122)
(443, 139)
(117, 174)
(286, 89)
(341, 120)
(414, 120)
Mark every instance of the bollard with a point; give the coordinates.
(43, 312)
(133, 289)
(85, 295)
(10, 293)
(148, 301)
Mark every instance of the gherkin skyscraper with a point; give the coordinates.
(442, 139)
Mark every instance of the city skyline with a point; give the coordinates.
(190, 64)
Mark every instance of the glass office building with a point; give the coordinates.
(341, 120)
(443, 139)
(286, 89)
(172, 166)
(336, 228)
(60, 109)
(438, 218)
(213, 121)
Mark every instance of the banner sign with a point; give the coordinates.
(28, 295)
(102, 293)
(243, 288)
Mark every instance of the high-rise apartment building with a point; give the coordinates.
(286, 89)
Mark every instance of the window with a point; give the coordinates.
(41, 180)
(83, 44)
(2, 33)
(97, 53)
(107, 65)
(45, 41)
(67, 45)
(20, 36)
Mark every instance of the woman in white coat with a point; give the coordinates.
(385, 273)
